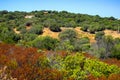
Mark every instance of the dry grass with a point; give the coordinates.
(28, 27)
(114, 34)
(15, 30)
(48, 32)
(85, 34)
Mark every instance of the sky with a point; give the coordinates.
(104, 8)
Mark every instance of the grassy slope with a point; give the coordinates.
(47, 32)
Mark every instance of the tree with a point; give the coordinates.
(108, 45)
(9, 36)
(3, 12)
(47, 42)
(112, 18)
(99, 35)
(85, 28)
(36, 29)
(82, 44)
(55, 28)
(28, 37)
(104, 44)
(92, 29)
(68, 34)
(116, 51)
(28, 23)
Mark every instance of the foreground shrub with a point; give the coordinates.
(78, 67)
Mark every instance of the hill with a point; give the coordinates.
(48, 45)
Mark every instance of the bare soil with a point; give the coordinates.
(114, 34)
(48, 32)
(15, 30)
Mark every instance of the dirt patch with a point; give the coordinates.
(28, 27)
(114, 34)
(48, 32)
(85, 34)
(15, 30)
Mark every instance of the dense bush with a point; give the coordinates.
(8, 36)
(55, 28)
(36, 29)
(28, 37)
(68, 35)
(116, 51)
(28, 24)
(70, 41)
(53, 65)
(82, 44)
(78, 67)
(85, 28)
(45, 43)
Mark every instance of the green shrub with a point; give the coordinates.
(116, 51)
(85, 28)
(37, 29)
(82, 44)
(78, 67)
(55, 28)
(45, 43)
(67, 35)
(28, 37)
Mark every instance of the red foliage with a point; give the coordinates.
(91, 77)
(112, 61)
(22, 63)
(89, 56)
(110, 77)
(114, 77)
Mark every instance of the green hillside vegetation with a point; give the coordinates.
(31, 24)
(30, 55)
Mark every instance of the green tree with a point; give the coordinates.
(116, 51)
(82, 44)
(45, 43)
(29, 37)
(9, 36)
(55, 28)
(68, 34)
(85, 28)
(37, 29)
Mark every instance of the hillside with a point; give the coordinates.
(31, 63)
(48, 32)
(33, 44)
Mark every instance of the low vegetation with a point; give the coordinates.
(28, 63)
(81, 50)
